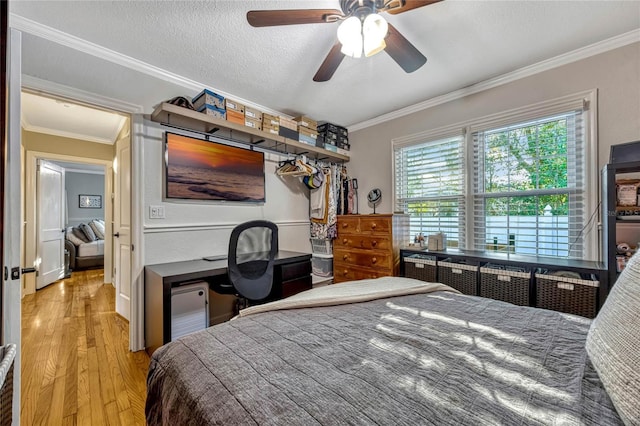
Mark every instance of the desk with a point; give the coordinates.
(292, 274)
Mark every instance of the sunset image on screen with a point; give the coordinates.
(198, 169)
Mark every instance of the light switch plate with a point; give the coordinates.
(156, 212)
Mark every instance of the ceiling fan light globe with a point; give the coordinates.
(349, 30)
(372, 46)
(375, 26)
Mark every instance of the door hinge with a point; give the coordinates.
(133, 247)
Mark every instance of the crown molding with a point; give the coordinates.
(48, 88)
(64, 134)
(48, 33)
(557, 61)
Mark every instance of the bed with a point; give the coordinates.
(400, 351)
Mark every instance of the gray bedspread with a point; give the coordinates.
(437, 359)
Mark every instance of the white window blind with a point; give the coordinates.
(529, 187)
(429, 186)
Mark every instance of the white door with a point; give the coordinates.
(11, 221)
(51, 205)
(122, 226)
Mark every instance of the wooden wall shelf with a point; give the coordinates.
(173, 115)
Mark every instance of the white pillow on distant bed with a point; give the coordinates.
(97, 229)
(613, 343)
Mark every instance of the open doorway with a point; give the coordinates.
(92, 145)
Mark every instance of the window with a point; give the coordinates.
(520, 186)
(429, 181)
(529, 187)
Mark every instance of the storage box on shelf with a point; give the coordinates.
(460, 276)
(506, 283)
(189, 119)
(208, 97)
(213, 111)
(567, 292)
(421, 267)
(232, 105)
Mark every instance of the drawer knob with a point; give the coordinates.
(345, 257)
(345, 241)
(374, 260)
(344, 225)
(374, 243)
(345, 272)
(373, 226)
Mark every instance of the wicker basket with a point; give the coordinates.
(463, 278)
(570, 295)
(505, 285)
(421, 268)
(8, 354)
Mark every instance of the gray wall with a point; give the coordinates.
(86, 184)
(615, 74)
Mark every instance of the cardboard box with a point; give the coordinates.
(288, 133)
(288, 124)
(308, 132)
(208, 97)
(268, 119)
(306, 122)
(235, 117)
(268, 127)
(253, 113)
(213, 111)
(254, 124)
(234, 106)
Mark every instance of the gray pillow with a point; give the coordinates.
(71, 237)
(613, 343)
(91, 236)
(97, 229)
(79, 233)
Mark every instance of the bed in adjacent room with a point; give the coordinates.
(395, 351)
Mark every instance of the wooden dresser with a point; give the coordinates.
(368, 246)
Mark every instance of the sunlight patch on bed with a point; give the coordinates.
(511, 377)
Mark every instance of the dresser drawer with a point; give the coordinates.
(345, 272)
(348, 225)
(370, 259)
(375, 225)
(364, 242)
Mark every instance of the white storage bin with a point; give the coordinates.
(322, 265)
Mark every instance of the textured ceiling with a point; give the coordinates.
(211, 43)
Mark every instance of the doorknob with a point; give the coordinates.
(28, 270)
(117, 234)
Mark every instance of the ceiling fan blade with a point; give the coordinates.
(411, 4)
(402, 51)
(270, 18)
(330, 64)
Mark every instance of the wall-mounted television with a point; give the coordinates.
(197, 169)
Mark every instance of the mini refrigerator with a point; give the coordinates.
(189, 308)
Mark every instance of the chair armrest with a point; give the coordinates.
(71, 248)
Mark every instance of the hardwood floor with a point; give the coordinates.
(76, 364)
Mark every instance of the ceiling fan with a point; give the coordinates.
(362, 30)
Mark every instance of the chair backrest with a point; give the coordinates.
(252, 250)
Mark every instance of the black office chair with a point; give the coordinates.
(252, 250)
